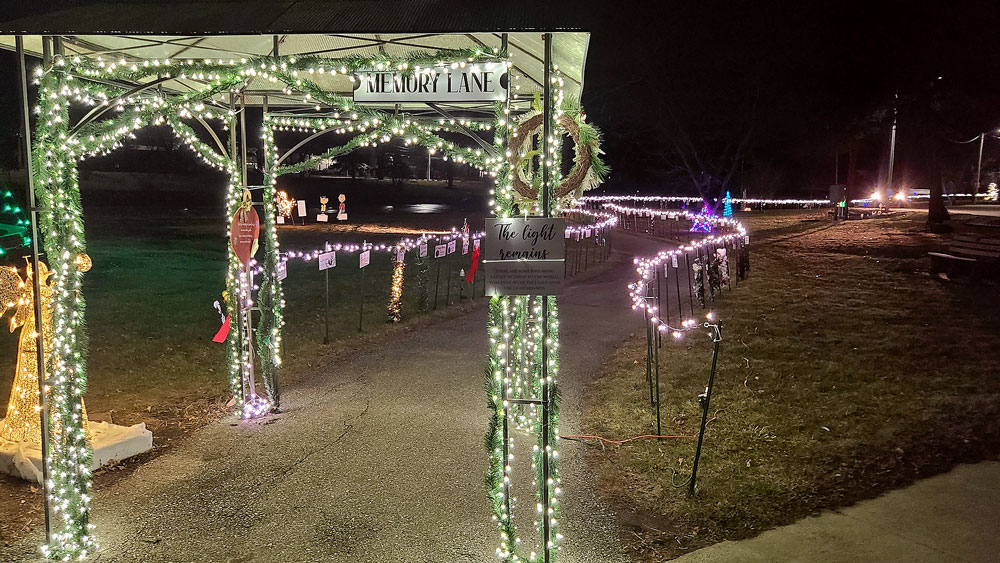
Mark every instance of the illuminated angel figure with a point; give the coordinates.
(22, 421)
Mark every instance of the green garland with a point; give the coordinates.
(61, 222)
(423, 267)
(497, 474)
(395, 308)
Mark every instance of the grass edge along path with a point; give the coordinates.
(846, 371)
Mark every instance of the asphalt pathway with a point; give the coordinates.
(379, 458)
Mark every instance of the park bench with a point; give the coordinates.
(967, 254)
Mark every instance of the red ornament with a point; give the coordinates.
(244, 233)
(470, 277)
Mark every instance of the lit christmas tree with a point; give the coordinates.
(701, 224)
(727, 211)
(13, 225)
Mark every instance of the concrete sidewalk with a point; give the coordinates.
(953, 517)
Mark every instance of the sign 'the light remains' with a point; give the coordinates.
(524, 256)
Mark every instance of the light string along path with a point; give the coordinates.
(732, 234)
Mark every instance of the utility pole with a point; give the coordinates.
(979, 167)
(892, 141)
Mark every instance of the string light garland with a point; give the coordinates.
(598, 199)
(92, 82)
(58, 148)
(395, 308)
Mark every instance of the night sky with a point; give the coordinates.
(791, 85)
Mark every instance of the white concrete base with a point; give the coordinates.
(110, 442)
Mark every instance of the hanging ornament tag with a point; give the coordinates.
(423, 250)
(400, 255)
(244, 230)
(673, 260)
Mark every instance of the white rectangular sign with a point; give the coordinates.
(365, 258)
(327, 260)
(301, 204)
(478, 82)
(322, 218)
(400, 255)
(282, 270)
(423, 250)
(524, 256)
(465, 246)
(452, 245)
(440, 250)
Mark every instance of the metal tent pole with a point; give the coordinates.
(36, 287)
(546, 407)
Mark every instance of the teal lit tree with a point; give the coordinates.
(727, 210)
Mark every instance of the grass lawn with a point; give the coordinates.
(151, 320)
(845, 371)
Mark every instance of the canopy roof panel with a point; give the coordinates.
(525, 50)
(260, 17)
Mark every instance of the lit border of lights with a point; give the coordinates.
(647, 267)
(56, 151)
(753, 201)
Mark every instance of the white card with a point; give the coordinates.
(281, 219)
(327, 260)
(282, 269)
(475, 244)
(400, 255)
(365, 258)
(440, 250)
(423, 250)
(673, 260)
(322, 218)
(302, 208)
(452, 245)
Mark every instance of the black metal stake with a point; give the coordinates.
(705, 399)
(687, 266)
(656, 356)
(659, 307)
(326, 311)
(447, 288)
(361, 310)
(437, 282)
